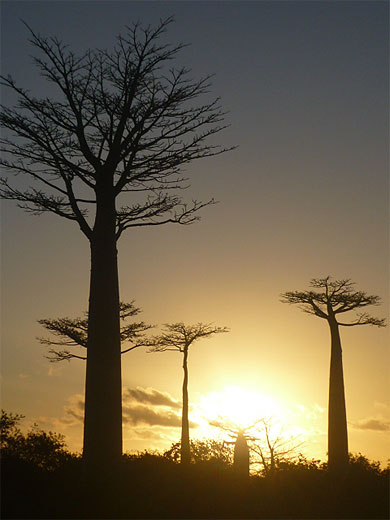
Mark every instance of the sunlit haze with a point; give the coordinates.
(238, 407)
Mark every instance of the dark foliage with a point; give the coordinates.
(205, 451)
(153, 485)
(36, 448)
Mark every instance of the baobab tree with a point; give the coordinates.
(260, 438)
(73, 333)
(241, 455)
(106, 152)
(178, 337)
(334, 298)
(241, 459)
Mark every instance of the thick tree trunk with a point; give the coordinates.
(337, 417)
(103, 390)
(185, 429)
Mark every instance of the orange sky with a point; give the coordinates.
(305, 195)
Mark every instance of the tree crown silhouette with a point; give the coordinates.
(335, 297)
(73, 332)
(179, 337)
(119, 115)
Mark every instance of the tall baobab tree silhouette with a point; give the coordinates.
(178, 337)
(71, 333)
(105, 152)
(335, 297)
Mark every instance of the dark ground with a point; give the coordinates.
(154, 487)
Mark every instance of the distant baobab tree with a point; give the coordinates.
(105, 152)
(178, 337)
(260, 438)
(241, 459)
(335, 297)
(241, 455)
(73, 333)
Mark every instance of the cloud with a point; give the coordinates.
(151, 407)
(373, 424)
(73, 415)
(150, 396)
(311, 412)
(140, 414)
(55, 371)
(149, 434)
(145, 434)
(140, 406)
(384, 407)
(74, 411)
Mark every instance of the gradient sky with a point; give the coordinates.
(304, 195)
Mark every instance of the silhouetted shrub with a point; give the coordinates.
(207, 450)
(46, 450)
(359, 464)
(41, 479)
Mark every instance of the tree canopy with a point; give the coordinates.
(120, 114)
(73, 332)
(179, 337)
(335, 297)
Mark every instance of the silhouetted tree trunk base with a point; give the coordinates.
(337, 416)
(103, 387)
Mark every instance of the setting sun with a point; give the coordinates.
(238, 407)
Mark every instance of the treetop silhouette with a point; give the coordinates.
(121, 118)
(73, 332)
(337, 297)
(178, 336)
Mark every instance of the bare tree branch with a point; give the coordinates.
(178, 336)
(337, 296)
(73, 332)
(125, 114)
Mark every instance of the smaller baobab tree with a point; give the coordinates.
(241, 454)
(178, 337)
(239, 435)
(328, 300)
(70, 333)
(260, 443)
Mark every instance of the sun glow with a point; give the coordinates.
(238, 407)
